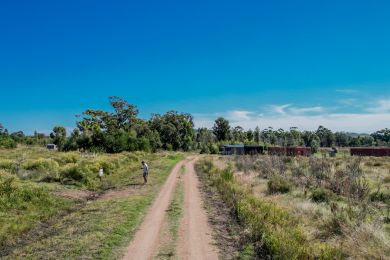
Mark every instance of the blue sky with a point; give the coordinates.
(278, 63)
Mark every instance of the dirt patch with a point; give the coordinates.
(118, 194)
(77, 195)
(147, 240)
(195, 234)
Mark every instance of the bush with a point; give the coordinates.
(271, 229)
(71, 171)
(380, 196)
(321, 195)
(6, 164)
(279, 184)
(68, 158)
(213, 149)
(41, 164)
(204, 150)
(7, 142)
(22, 206)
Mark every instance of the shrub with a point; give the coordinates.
(6, 164)
(71, 171)
(204, 150)
(7, 184)
(22, 206)
(278, 184)
(41, 164)
(271, 229)
(380, 196)
(321, 195)
(7, 142)
(213, 148)
(68, 158)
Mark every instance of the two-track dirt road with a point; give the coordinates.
(195, 240)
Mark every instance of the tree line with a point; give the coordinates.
(121, 129)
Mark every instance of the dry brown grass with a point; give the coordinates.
(350, 219)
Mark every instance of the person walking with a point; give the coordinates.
(145, 169)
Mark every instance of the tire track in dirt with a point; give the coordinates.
(195, 239)
(146, 240)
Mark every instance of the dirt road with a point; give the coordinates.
(195, 241)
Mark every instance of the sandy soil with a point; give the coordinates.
(146, 241)
(195, 239)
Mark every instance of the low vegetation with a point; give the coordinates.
(340, 202)
(53, 205)
(273, 230)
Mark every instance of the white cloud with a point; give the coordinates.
(348, 101)
(375, 117)
(279, 109)
(347, 91)
(238, 115)
(352, 122)
(287, 109)
(380, 106)
(305, 110)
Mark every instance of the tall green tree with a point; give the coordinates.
(175, 130)
(326, 136)
(249, 135)
(59, 136)
(221, 129)
(256, 135)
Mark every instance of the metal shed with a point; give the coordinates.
(371, 151)
(51, 147)
(289, 151)
(253, 149)
(230, 149)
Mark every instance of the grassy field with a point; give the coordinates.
(53, 205)
(324, 207)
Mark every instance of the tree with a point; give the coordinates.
(238, 134)
(268, 135)
(204, 137)
(221, 129)
(326, 136)
(314, 143)
(294, 137)
(382, 136)
(256, 135)
(5, 140)
(59, 136)
(249, 135)
(341, 139)
(175, 130)
(125, 114)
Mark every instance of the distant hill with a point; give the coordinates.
(357, 134)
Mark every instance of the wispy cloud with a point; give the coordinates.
(238, 115)
(306, 110)
(359, 122)
(374, 117)
(347, 91)
(288, 109)
(380, 106)
(279, 109)
(348, 101)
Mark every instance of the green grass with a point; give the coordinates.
(99, 229)
(22, 205)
